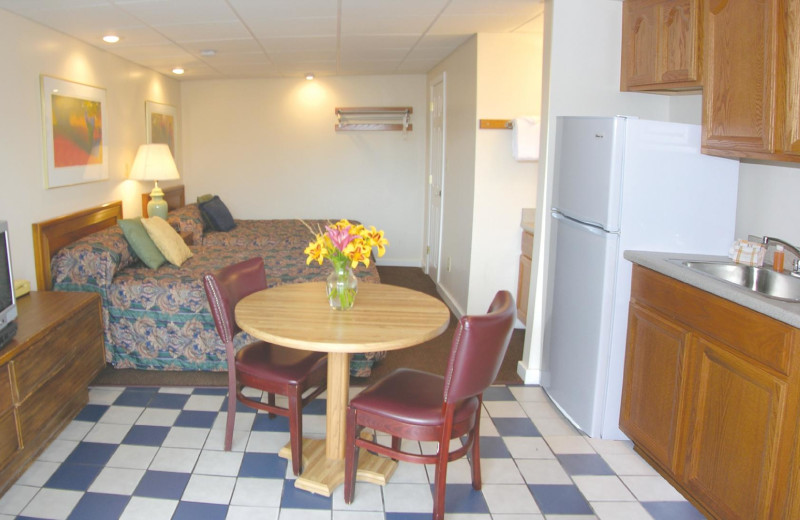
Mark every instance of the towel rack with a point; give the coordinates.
(373, 118)
(496, 124)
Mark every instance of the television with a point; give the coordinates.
(8, 302)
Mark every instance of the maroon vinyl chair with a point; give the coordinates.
(260, 365)
(419, 406)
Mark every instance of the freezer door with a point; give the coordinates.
(588, 169)
(578, 329)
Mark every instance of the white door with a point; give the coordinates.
(436, 177)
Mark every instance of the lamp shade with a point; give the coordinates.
(154, 162)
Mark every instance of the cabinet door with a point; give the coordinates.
(679, 59)
(639, 43)
(738, 77)
(789, 112)
(732, 432)
(651, 393)
(523, 288)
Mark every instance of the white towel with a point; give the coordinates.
(525, 139)
(748, 253)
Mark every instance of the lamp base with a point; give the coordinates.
(157, 207)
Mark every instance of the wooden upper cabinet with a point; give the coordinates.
(660, 45)
(789, 78)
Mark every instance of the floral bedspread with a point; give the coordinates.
(160, 319)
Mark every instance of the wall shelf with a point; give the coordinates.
(373, 118)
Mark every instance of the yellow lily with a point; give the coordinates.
(316, 251)
(376, 238)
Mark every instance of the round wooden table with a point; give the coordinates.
(384, 317)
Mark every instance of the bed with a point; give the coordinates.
(158, 319)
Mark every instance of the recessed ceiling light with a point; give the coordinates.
(310, 76)
(208, 52)
(111, 38)
(178, 70)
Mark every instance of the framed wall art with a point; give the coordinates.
(75, 121)
(162, 124)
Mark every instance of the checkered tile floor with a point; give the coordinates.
(156, 453)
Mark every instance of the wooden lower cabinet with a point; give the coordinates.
(711, 395)
(45, 372)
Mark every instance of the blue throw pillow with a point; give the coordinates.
(217, 214)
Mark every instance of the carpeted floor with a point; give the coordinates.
(430, 356)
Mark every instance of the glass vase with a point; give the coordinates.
(342, 286)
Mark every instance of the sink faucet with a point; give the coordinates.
(766, 241)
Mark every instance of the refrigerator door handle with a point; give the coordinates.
(590, 227)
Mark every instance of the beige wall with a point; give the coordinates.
(269, 149)
(32, 50)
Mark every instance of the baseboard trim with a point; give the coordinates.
(449, 301)
(529, 376)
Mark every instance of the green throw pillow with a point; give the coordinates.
(204, 198)
(141, 243)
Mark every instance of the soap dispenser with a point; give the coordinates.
(777, 259)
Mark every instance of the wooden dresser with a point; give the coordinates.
(45, 372)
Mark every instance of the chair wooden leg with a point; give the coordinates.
(350, 457)
(396, 443)
(441, 479)
(476, 454)
(231, 413)
(271, 402)
(296, 429)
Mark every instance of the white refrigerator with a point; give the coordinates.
(620, 183)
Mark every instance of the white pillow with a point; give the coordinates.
(167, 240)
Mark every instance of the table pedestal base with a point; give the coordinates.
(322, 475)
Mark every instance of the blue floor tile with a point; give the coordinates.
(584, 464)
(76, 477)
(461, 498)
(316, 407)
(516, 427)
(91, 412)
(95, 453)
(672, 510)
(199, 511)
(99, 505)
(494, 448)
(263, 465)
(263, 423)
(196, 419)
(144, 435)
(408, 516)
(171, 401)
(211, 390)
(135, 397)
(240, 407)
(560, 500)
(498, 393)
(162, 484)
(294, 498)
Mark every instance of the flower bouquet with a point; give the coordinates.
(345, 245)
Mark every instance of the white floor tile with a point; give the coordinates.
(55, 504)
(367, 497)
(504, 409)
(410, 473)
(182, 390)
(652, 489)
(543, 471)
(252, 513)
(603, 488)
(221, 463)
(314, 424)
(528, 393)
(121, 415)
(488, 429)
(209, 489)
(257, 492)
(104, 395)
(458, 472)
(570, 444)
(606, 447)
(304, 514)
(554, 426)
(142, 508)
(179, 460)
(158, 417)
(216, 440)
(204, 403)
(243, 421)
(357, 515)
(132, 457)
(16, 498)
(529, 516)
(506, 499)
(629, 464)
(407, 498)
(58, 451)
(179, 437)
(500, 471)
(107, 433)
(267, 442)
(528, 448)
(76, 430)
(38, 473)
(618, 510)
(117, 481)
(541, 410)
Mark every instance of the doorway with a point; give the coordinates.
(436, 176)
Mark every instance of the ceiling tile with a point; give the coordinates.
(300, 43)
(164, 12)
(203, 31)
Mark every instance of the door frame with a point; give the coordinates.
(429, 250)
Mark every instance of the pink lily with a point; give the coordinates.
(340, 237)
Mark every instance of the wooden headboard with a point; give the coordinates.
(51, 235)
(174, 195)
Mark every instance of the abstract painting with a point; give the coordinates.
(74, 118)
(162, 123)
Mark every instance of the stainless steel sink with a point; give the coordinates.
(762, 280)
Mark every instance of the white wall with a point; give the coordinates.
(509, 85)
(269, 149)
(583, 39)
(461, 68)
(31, 50)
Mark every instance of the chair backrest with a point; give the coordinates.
(478, 348)
(226, 287)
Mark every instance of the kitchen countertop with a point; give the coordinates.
(786, 312)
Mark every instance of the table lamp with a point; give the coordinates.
(154, 162)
